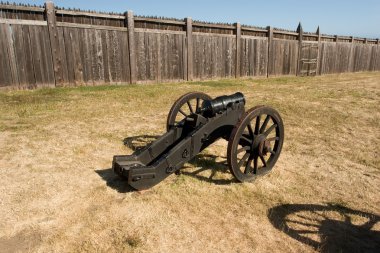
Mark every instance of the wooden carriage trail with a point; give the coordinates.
(48, 46)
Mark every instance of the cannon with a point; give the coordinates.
(195, 121)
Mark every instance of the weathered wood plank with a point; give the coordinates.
(132, 48)
(99, 56)
(89, 14)
(87, 26)
(12, 55)
(270, 61)
(28, 58)
(21, 8)
(125, 65)
(47, 57)
(238, 50)
(105, 49)
(54, 43)
(190, 56)
(5, 71)
(20, 55)
(66, 42)
(23, 22)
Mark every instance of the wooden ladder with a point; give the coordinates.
(308, 59)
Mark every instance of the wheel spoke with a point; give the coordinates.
(270, 129)
(255, 160)
(250, 130)
(273, 139)
(246, 148)
(245, 157)
(184, 114)
(263, 160)
(197, 105)
(248, 166)
(271, 151)
(262, 128)
(190, 108)
(246, 139)
(257, 127)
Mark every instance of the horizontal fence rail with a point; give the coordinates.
(49, 46)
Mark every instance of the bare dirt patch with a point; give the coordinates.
(58, 194)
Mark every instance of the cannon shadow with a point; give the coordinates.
(202, 162)
(328, 228)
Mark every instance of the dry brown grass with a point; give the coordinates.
(57, 193)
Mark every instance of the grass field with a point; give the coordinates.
(58, 194)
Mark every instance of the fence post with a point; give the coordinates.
(378, 41)
(300, 38)
(189, 37)
(351, 64)
(238, 50)
(365, 41)
(131, 44)
(319, 51)
(54, 43)
(270, 49)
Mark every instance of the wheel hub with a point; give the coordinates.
(261, 145)
(264, 147)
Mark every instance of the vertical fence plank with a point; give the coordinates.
(67, 41)
(270, 51)
(54, 43)
(12, 55)
(300, 38)
(190, 57)
(131, 44)
(238, 50)
(318, 70)
(184, 56)
(28, 58)
(5, 76)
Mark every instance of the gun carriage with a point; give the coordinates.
(195, 121)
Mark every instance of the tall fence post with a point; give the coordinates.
(270, 50)
(238, 50)
(300, 38)
(131, 43)
(189, 37)
(319, 66)
(54, 43)
(351, 65)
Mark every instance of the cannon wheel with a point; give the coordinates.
(255, 143)
(184, 106)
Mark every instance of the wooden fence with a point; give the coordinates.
(49, 46)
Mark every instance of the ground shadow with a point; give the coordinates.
(139, 142)
(328, 228)
(205, 162)
(114, 181)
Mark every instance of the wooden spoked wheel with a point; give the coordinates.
(184, 106)
(255, 143)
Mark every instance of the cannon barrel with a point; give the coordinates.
(219, 104)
